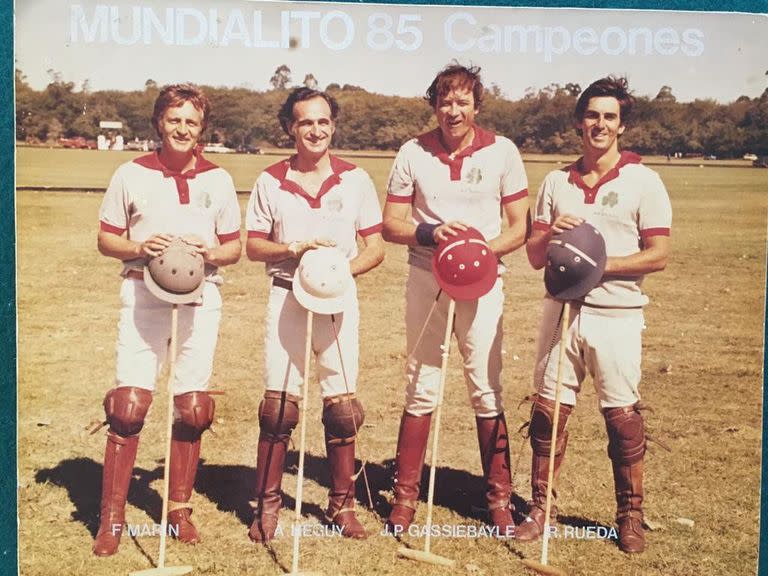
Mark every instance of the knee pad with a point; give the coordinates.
(542, 416)
(342, 417)
(278, 414)
(192, 414)
(626, 434)
(126, 407)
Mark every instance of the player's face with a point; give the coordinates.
(601, 124)
(180, 128)
(312, 127)
(455, 112)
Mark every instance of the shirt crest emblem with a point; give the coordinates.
(204, 200)
(474, 176)
(610, 199)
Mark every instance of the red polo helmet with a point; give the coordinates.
(465, 266)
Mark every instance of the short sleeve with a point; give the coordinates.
(228, 218)
(655, 217)
(369, 217)
(514, 182)
(113, 214)
(258, 216)
(400, 185)
(544, 211)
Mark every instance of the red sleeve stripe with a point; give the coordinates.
(371, 229)
(514, 197)
(399, 199)
(648, 232)
(257, 234)
(109, 228)
(229, 237)
(541, 226)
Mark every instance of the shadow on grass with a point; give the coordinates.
(231, 488)
(81, 478)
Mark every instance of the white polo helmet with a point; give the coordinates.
(176, 275)
(323, 281)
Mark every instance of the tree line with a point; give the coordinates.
(540, 122)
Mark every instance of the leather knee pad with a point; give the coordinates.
(626, 434)
(278, 414)
(126, 407)
(343, 416)
(541, 426)
(192, 414)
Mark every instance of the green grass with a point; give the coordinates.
(705, 320)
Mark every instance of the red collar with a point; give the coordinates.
(433, 144)
(590, 193)
(279, 172)
(152, 161)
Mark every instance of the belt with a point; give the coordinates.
(282, 283)
(135, 274)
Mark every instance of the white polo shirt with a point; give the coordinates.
(144, 198)
(628, 204)
(282, 211)
(470, 187)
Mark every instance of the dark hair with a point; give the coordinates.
(455, 76)
(613, 86)
(285, 116)
(175, 95)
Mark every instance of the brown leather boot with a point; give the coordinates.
(268, 499)
(193, 416)
(341, 497)
(626, 448)
(409, 461)
(119, 458)
(278, 415)
(494, 453)
(126, 408)
(541, 441)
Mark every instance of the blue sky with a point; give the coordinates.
(388, 49)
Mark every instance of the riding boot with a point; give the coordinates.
(341, 497)
(626, 448)
(125, 408)
(494, 453)
(278, 415)
(541, 442)
(409, 461)
(119, 458)
(193, 415)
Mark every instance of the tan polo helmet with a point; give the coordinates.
(177, 275)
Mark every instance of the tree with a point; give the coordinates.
(665, 95)
(281, 77)
(573, 89)
(310, 81)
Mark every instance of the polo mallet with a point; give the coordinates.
(162, 569)
(542, 567)
(425, 555)
(302, 442)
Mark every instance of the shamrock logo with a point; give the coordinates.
(611, 199)
(474, 176)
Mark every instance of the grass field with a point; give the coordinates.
(702, 364)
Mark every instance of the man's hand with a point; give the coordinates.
(197, 243)
(566, 222)
(448, 229)
(297, 249)
(155, 245)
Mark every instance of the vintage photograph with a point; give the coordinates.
(373, 289)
